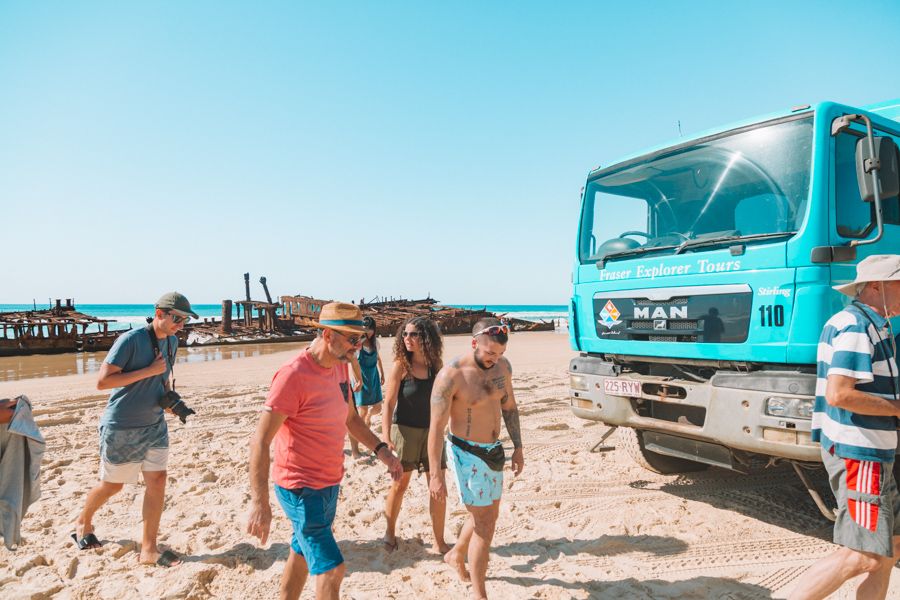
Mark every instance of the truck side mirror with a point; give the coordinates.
(887, 159)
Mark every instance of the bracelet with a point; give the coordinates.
(378, 448)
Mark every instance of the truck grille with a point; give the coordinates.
(705, 318)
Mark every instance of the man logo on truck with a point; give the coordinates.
(675, 312)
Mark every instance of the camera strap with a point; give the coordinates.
(169, 356)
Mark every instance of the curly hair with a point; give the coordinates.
(429, 338)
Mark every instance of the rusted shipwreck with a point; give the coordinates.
(56, 330)
(390, 314)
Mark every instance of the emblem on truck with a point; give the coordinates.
(659, 312)
(609, 316)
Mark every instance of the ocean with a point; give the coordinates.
(129, 315)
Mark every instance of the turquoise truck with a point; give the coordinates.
(703, 279)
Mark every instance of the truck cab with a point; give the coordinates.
(703, 276)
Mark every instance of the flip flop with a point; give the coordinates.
(87, 542)
(390, 546)
(168, 559)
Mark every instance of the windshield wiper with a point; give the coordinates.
(729, 238)
(633, 251)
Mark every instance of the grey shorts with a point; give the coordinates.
(868, 515)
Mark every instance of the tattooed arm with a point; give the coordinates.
(510, 412)
(441, 399)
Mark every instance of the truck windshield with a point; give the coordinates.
(737, 185)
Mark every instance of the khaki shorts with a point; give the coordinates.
(868, 515)
(411, 444)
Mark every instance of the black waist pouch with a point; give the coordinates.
(494, 458)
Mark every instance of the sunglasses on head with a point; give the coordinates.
(179, 319)
(493, 330)
(414, 334)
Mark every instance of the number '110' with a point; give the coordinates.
(770, 315)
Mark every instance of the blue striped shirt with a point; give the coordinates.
(850, 346)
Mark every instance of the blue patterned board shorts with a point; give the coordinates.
(124, 453)
(478, 484)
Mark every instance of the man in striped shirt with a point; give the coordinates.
(855, 420)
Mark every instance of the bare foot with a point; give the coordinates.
(82, 529)
(355, 453)
(390, 542)
(164, 559)
(458, 562)
(443, 547)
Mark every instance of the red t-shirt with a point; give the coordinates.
(309, 446)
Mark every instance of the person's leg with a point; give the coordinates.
(294, 577)
(96, 498)
(484, 521)
(328, 584)
(392, 504)
(438, 510)
(154, 498)
(374, 411)
(874, 585)
(456, 556)
(830, 573)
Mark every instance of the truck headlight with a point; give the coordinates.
(578, 382)
(796, 408)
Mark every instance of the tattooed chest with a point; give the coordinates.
(492, 386)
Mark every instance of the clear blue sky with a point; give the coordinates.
(352, 149)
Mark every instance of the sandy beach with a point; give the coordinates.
(575, 524)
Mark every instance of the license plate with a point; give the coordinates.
(622, 387)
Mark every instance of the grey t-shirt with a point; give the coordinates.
(137, 405)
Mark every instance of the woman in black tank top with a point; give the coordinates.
(418, 348)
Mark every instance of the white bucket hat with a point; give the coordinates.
(878, 267)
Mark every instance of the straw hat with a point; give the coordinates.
(342, 317)
(878, 267)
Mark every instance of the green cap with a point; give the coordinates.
(177, 303)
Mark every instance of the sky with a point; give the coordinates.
(351, 149)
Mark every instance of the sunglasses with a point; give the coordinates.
(353, 340)
(412, 334)
(179, 319)
(493, 330)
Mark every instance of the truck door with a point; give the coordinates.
(854, 219)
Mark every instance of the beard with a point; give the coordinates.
(480, 364)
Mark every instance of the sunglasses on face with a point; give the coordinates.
(412, 334)
(493, 330)
(352, 340)
(177, 319)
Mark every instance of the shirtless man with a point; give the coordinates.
(472, 392)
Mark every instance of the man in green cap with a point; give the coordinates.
(134, 437)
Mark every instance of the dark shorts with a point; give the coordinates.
(868, 515)
(311, 513)
(411, 444)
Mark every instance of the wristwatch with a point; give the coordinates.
(378, 448)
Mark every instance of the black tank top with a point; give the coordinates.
(414, 402)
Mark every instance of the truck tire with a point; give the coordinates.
(633, 442)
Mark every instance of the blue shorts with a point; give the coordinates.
(478, 484)
(312, 513)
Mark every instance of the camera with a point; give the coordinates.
(172, 400)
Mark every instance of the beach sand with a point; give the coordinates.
(575, 524)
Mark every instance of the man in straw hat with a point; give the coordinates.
(308, 412)
(855, 419)
(134, 437)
